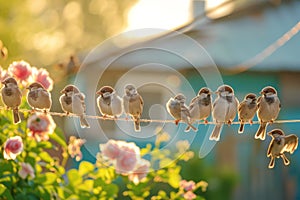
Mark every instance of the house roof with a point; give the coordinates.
(227, 42)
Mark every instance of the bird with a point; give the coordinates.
(268, 110)
(280, 144)
(200, 106)
(109, 103)
(72, 101)
(12, 97)
(133, 105)
(179, 111)
(224, 109)
(38, 97)
(247, 110)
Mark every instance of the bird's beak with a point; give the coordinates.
(216, 92)
(99, 92)
(62, 91)
(3, 82)
(261, 92)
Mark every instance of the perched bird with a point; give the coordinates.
(133, 105)
(280, 144)
(12, 96)
(224, 109)
(200, 106)
(109, 103)
(247, 110)
(268, 110)
(72, 101)
(38, 97)
(179, 111)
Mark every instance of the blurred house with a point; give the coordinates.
(205, 52)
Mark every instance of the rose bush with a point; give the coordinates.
(34, 154)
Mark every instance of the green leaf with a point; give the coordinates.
(45, 144)
(46, 157)
(74, 177)
(85, 168)
(46, 179)
(4, 193)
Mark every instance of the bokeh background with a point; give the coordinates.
(75, 39)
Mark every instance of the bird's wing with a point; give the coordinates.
(291, 143)
(141, 99)
(258, 101)
(185, 110)
(193, 101)
(241, 105)
(270, 147)
(80, 95)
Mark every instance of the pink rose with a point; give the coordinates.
(140, 171)
(12, 147)
(21, 70)
(187, 185)
(74, 148)
(111, 149)
(40, 126)
(189, 195)
(41, 75)
(127, 159)
(26, 169)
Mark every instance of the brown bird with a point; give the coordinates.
(133, 105)
(280, 144)
(268, 110)
(224, 110)
(247, 110)
(12, 96)
(72, 101)
(109, 103)
(179, 111)
(200, 106)
(38, 97)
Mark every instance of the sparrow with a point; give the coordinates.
(109, 103)
(133, 105)
(268, 110)
(224, 110)
(247, 110)
(179, 111)
(12, 96)
(38, 97)
(72, 101)
(280, 144)
(200, 106)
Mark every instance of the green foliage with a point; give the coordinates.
(51, 179)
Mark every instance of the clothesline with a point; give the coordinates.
(97, 117)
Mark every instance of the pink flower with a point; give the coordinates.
(127, 159)
(42, 76)
(40, 126)
(189, 195)
(12, 147)
(26, 169)
(111, 149)
(74, 148)
(140, 171)
(21, 70)
(187, 185)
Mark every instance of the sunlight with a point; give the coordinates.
(225, 10)
(158, 14)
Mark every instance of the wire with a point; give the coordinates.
(142, 120)
(268, 50)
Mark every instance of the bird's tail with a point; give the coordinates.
(137, 126)
(190, 125)
(215, 135)
(272, 163)
(83, 122)
(16, 115)
(241, 129)
(261, 132)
